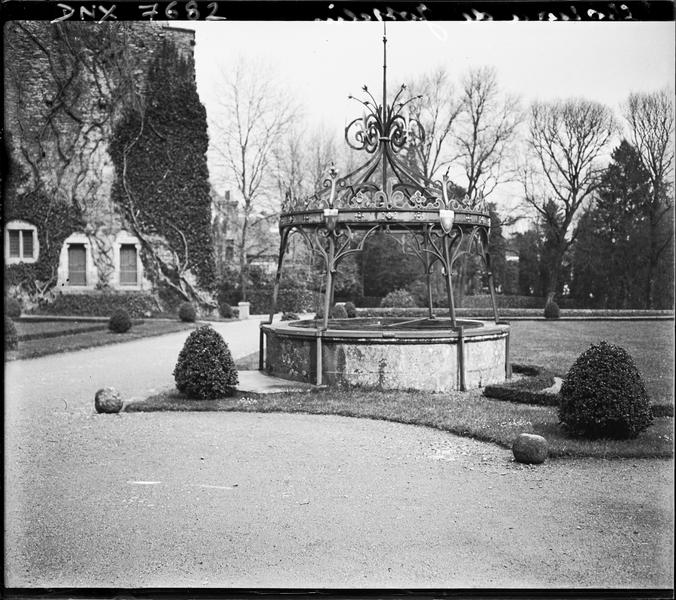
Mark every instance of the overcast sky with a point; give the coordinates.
(325, 62)
(322, 63)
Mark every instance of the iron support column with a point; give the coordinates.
(449, 283)
(328, 291)
(320, 366)
(491, 287)
(275, 289)
(261, 348)
(428, 268)
(461, 358)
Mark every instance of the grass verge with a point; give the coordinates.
(88, 339)
(468, 414)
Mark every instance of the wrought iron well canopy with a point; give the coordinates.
(383, 194)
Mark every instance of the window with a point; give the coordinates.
(229, 250)
(77, 264)
(15, 243)
(21, 243)
(128, 264)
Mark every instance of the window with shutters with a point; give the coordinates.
(21, 242)
(77, 264)
(128, 265)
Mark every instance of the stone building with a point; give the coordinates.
(225, 227)
(66, 88)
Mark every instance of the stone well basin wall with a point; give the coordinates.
(425, 360)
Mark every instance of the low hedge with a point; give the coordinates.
(527, 390)
(503, 301)
(662, 410)
(506, 313)
(101, 304)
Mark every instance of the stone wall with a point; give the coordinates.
(65, 86)
(369, 361)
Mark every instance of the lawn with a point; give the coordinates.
(556, 345)
(468, 414)
(85, 337)
(553, 344)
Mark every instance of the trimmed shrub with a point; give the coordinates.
(289, 316)
(12, 308)
(11, 337)
(205, 369)
(552, 310)
(603, 395)
(398, 299)
(338, 312)
(120, 321)
(187, 313)
(225, 310)
(351, 310)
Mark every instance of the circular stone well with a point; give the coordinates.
(389, 353)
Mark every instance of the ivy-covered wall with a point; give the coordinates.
(159, 153)
(75, 96)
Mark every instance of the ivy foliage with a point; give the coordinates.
(54, 219)
(159, 151)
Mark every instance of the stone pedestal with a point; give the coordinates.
(243, 310)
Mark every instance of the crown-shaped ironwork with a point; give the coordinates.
(386, 133)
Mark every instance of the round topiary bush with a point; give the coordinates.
(12, 308)
(119, 321)
(226, 310)
(205, 369)
(11, 337)
(552, 310)
(603, 395)
(398, 299)
(351, 310)
(187, 313)
(338, 312)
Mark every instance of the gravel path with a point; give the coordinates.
(235, 499)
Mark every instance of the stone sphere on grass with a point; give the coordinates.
(108, 400)
(530, 449)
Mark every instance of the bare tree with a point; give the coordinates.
(567, 140)
(651, 123)
(487, 128)
(436, 110)
(303, 160)
(253, 116)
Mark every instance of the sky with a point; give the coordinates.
(321, 63)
